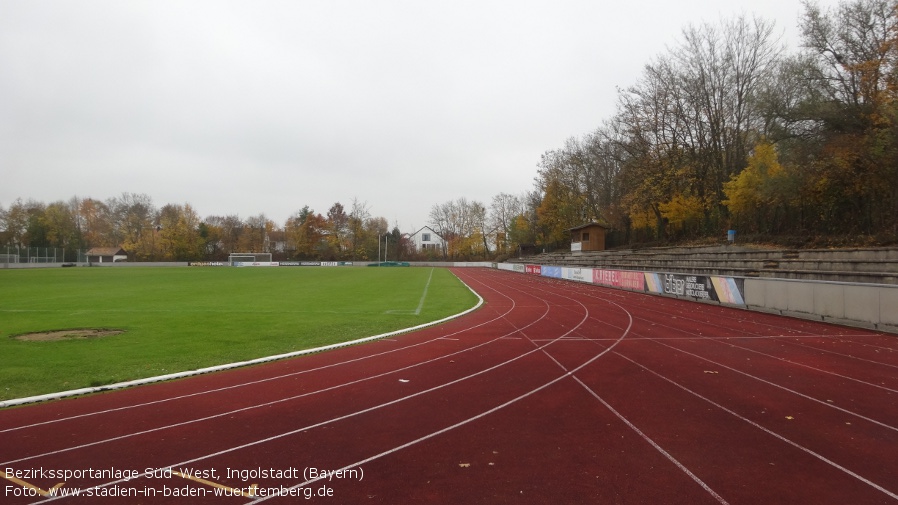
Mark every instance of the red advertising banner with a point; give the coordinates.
(534, 269)
(619, 279)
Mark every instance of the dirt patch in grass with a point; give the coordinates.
(80, 333)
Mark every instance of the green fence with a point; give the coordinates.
(15, 254)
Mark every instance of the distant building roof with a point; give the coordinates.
(106, 251)
(426, 228)
(588, 225)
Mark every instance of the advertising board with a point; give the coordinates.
(549, 271)
(577, 274)
(634, 281)
(700, 287)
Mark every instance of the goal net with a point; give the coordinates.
(246, 259)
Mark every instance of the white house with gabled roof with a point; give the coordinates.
(426, 239)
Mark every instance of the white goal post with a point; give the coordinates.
(247, 259)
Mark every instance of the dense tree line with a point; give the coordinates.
(726, 130)
(177, 233)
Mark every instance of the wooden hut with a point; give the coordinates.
(588, 237)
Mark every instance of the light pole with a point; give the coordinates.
(386, 246)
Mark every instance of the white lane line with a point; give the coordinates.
(482, 414)
(780, 437)
(633, 427)
(723, 342)
(816, 455)
(769, 432)
(324, 422)
(715, 322)
(784, 388)
(806, 366)
(268, 379)
(377, 407)
(731, 315)
(251, 407)
(281, 400)
(828, 351)
(737, 317)
(639, 337)
(228, 366)
(657, 447)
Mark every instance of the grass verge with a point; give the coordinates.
(178, 319)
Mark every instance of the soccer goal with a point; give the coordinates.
(247, 259)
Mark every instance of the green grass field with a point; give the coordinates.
(178, 319)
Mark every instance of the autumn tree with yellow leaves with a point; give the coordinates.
(726, 130)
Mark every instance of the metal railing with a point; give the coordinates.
(15, 255)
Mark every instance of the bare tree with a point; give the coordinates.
(133, 223)
(504, 211)
(358, 216)
(339, 223)
(463, 225)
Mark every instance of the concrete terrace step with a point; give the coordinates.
(874, 265)
(785, 265)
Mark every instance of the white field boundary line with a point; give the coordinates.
(229, 366)
(274, 402)
(389, 403)
(250, 407)
(482, 414)
(260, 381)
(292, 374)
(768, 431)
(417, 311)
(424, 294)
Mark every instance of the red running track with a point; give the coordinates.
(552, 392)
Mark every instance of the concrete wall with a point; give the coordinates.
(125, 264)
(13, 266)
(865, 305)
(121, 264)
(873, 306)
(452, 264)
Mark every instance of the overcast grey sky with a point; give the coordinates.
(266, 106)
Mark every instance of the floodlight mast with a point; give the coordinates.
(386, 246)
